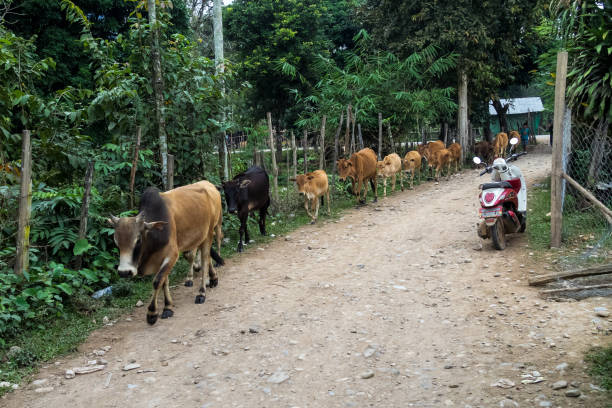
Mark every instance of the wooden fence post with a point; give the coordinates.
(85, 209)
(379, 135)
(557, 154)
(322, 150)
(25, 203)
(360, 135)
(353, 120)
(294, 148)
(305, 147)
(336, 136)
(347, 142)
(273, 155)
(170, 171)
(134, 164)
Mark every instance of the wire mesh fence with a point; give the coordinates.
(586, 229)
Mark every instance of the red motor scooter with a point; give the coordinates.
(504, 201)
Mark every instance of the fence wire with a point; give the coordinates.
(586, 232)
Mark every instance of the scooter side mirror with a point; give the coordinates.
(513, 141)
(476, 160)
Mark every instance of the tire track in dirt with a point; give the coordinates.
(393, 292)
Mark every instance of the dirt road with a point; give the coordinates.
(389, 306)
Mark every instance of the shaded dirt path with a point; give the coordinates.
(396, 290)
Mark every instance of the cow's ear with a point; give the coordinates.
(348, 163)
(245, 183)
(310, 177)
(157, 225)
(113, 221)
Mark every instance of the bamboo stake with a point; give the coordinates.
(134, 164)
(322, 149)
(85, 209)
(294, 148)
(360, 135)
(273, 155)
(22, 260)
(576, 289)
(380, 132)
(305, 147)
(336, 136)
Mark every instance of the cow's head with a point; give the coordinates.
(302, 180)
(236, 191)
(345, 169)
(130, 234)
(380, 167)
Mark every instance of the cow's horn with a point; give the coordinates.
(113, 220)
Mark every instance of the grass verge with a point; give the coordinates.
(600, 366)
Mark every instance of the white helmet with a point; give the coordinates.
(500, 165)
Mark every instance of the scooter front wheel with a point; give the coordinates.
(498, 235)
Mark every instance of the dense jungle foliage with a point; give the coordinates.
(78, 75)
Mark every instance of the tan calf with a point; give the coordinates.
(360, 168)
(439, 160)
(455, 150)
(313, 185)
(500, 144)
(390, 166)
(412, 164)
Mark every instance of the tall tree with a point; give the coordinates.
(220, 69)
(158, 87)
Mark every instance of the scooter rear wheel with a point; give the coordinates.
(498, 235)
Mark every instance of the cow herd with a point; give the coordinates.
(188, 219)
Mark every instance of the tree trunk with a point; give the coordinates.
(22, 261)
(170, 172)
(462, 119)
(390, 138)
(273, 157)
(380, 135)
(322, 150)
(501, 113)
(598, 149)
(220, 69)
(158, 87)
(305, 147)
(445, 134)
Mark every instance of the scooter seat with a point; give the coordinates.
(498, 184)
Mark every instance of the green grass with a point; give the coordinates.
(600, 366)
(538, 223)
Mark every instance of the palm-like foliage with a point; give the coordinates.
(585, 29)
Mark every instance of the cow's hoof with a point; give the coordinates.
(167, 313)
(312, 222)
(217, 264)
(189, 283)
(362, 202)
(213, 283)
(375, 200)
(200, 299)
(197, 269)
(152, 318)
(240, 248)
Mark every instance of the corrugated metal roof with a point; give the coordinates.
(520, 105)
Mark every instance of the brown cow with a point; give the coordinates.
(485, 151)
(412, 164)
(455, 150)
(429, 149)
(181, 220)
(390, 166)
(313, 185)
(501, 142)
(361, 167)
(440, 159)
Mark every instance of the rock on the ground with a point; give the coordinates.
(367, 374)
(369, 351)
(88, 369)
(503, 383)
(131, 366)
(40, 382)
(139, 303)
(602, 312)
(44, 389)
(561, 367)
(278, 377)
(70, 374)
(559, 384)
(508, 403)
(573, 392)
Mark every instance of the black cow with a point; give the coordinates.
(245, 193)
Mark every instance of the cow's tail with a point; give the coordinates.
(217, 258)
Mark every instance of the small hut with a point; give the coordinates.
(521, 110)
